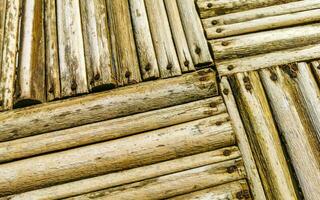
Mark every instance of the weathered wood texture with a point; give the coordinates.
(71, 53)
(129, 176)
(197, 43)
(179, 37)
(150, 147)
(53, 88)
(174, 184)
(162, 39)
(233, 190)
(97, 46)
(209, 8)
(30, 84)
(298, 132)
(98, 107)
(146, 53)
(315, 65)
(263, 136)
(9, 54)
(122, 42)
(2, 27)
(111, 129)
(242, 141)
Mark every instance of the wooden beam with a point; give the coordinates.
(122, 42)
(146, 52)
(116, 103)
(71, 53)
(149, 147)
(30, 84)
(263, 136)
(132, 175)
(110, 129)
(52, 54)
(97, 46)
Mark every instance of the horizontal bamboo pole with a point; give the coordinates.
(149, 147)
(122, 42)
(30, 84)
(263, 136)
(209, 8)
(9, 54)
(192, 26)
(266, 23)
(146, 52)
(174, 184)
(97, 46)
(265, 42)
(116, 103)
(111, 129)
(128, 176)
(233, 190)
(53, 87)
(301, 142)
(232, 66)
(315, 65)
(242, 141)
(276, 10)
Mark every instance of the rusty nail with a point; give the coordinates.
(214, 22)
(219, 30)
(225, 43)
(227, 152)
(97, 76)
(231, 169)
(186, 63)
(209, 5)
(230, 67)
(225, 91)
(198, 50)
(274, 77)
(239, 195)
(127, 75)
(73, 85)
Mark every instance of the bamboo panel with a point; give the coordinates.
(101, 106)
(265, 42)
(301, 142)
(150, 147)
(9, 54)
(97, 46)
(263, 136)
(179, 37)
(315, 65)
(146, 53)
(209, 8)
(162, 39)
(197, 43)
(250, 63)
(122, 42)
(132, 175)
(71, 53)
(174, 184)
(2, 27)
(233, 190)
(107, 130)
(53, 88)
(242, 141)
(30, 84)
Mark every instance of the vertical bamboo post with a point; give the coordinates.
(316, 70)
(122, 42)
(71, 53)
(162, 39)
(146, 53)
(2, 27)
(97, 45)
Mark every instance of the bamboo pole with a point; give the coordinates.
(30, 85)
(209, 8)
(111, 129)
(250, 63)
(9, 54)
(149, 147)
(129, 176)
(242, 141)
(263, 136)
(197, 42)
(265, 42)
(301, 142)
(179, 37)
(233, 190)
(97, 46)
(174, 184)
(116, 103)
(122, 42)
(162, 39)
(146, 52)
(3, 8)
(52, 54)
(315, 65)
